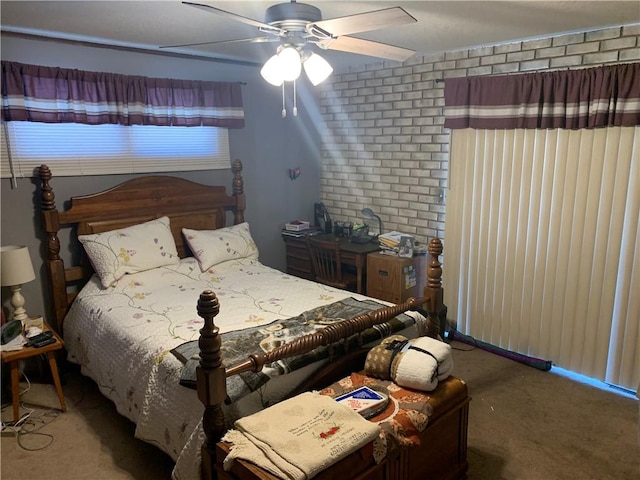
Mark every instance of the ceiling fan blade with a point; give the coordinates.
(367, 47)
(364, 22)
(235, 16)
(241, 40)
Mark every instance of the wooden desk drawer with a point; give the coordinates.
(381, 294)
(299, 267)
(298, 261)
(395, 279)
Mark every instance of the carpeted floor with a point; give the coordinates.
(524, 424)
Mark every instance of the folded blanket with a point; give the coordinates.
(418, 363)
(239, 344)
(423, 364)
(299, 437)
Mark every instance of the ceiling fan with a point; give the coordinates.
(297, 26)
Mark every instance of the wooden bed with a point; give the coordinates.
(195, 206)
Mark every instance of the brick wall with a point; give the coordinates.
(384, 144)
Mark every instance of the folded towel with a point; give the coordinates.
(299, 437)
(418, 363)
(422, 364)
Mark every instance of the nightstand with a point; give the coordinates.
(13, 359)
(394, 278)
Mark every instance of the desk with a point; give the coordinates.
(299, 263)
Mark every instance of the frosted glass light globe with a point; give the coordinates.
(271, 71)
(317, 69)
(290, 63)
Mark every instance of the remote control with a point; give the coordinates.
(39, 337)
(45, 342)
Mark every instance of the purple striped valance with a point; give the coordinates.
(569, 99)
(58, 95)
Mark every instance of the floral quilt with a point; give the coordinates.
(122, 336)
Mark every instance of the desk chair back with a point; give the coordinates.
(327, 265)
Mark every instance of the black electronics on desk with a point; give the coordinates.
(321, 217)
(362, 239)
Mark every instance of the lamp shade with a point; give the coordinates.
(317, 69)
(15, 266)
(368, 213)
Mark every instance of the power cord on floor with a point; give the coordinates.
(28, 425)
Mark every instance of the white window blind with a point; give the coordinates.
(74, 149)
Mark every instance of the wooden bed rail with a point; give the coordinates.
(328, 335)
(211, 372)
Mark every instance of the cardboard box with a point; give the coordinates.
(297, 225)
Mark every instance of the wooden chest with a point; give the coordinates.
(441, 454)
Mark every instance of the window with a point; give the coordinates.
(76, 149)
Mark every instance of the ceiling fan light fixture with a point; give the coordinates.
(317, 69)
(271, 71)
(290, 63)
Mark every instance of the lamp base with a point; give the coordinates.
(17, 302)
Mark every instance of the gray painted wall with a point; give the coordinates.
(268, 147)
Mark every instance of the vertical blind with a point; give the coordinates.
(542, 252)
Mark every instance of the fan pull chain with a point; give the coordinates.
(295, 105)
(284, 110)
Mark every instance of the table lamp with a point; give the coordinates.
(16, 269)
(368, 213)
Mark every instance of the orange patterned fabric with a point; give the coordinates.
(401, 422)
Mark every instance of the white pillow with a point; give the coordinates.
(133, 249)
(211, 247)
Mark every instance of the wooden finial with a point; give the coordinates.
(238, 182)
(211, 380)
(47, 197)
(434, 272)
(238, 191)
(209, 342)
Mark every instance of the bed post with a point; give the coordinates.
(53, 263)
(238, 192)
(211, 381)
(433, 291)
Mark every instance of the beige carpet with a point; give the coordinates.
(90, 441)
(524, 424)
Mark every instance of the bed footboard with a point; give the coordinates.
(211, 372)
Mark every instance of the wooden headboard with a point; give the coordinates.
(186, 203)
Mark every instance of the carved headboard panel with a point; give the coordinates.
(186, 203)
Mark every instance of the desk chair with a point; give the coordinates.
(327, 266)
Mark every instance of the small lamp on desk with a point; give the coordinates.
(368, 213)
(16, 269)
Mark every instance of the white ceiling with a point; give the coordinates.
(441, 26)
